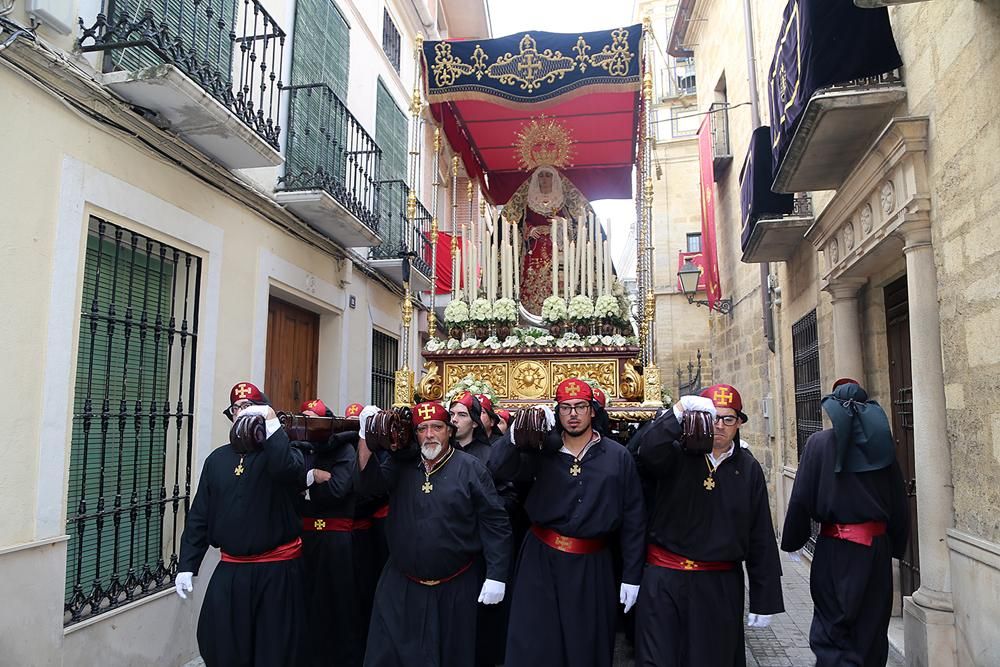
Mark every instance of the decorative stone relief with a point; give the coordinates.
(866, 219)
(848, 237)
(834, 251)
(311, 284)
(888, 196)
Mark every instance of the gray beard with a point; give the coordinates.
(431, 452)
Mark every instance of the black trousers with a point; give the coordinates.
(334, 620)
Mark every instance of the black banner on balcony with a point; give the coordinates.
(756, 198)
(822, 43)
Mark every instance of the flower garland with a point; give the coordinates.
(531, 338)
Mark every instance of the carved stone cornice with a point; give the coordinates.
(887, 192)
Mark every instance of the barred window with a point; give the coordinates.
(808, 411)
(385, 361)
(694, 242)
(390, 40)
(130, 470)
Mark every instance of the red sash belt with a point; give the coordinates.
(339, 525)
(570, 545)
(289, 551)
(660, 557)
(381, 512)
(859, 533)
(435, 582)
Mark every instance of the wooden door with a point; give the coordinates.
(901, 385)
(292, 355)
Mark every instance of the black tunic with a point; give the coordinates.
(564, 606)
(334, 620)
(253, 612)
(460, 524)
(696, 618)
(851, 584)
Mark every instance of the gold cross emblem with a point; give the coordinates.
(242, 390)
(311, 404)
(572, 389)
(319, 524)
(709, 483)
(427, 487)
(425, 413)
(353, 410)
(689, 564)
(239, 470)
(722, 396)
(575, 469)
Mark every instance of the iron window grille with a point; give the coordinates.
(233, 49)
(390, 40)
(808, 394)
(385, 361)
(132, 433)
(399, 233)
(694, 242)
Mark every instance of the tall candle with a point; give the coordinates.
(607, 268)
(566, 257)
(517, 262)
(601, 289)
(555, 258)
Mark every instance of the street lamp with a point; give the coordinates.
(689, 276)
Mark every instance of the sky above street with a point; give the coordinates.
(511, 16)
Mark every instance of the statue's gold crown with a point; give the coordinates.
(544, 141)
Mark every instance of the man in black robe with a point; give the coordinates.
(849, 481)
(333, 608)
(253, 612)
(585, 489)
(470, 424)
(446, 524)
(490, 418)
(710, 517)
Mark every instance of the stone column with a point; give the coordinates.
(847, 343)
(929, 614)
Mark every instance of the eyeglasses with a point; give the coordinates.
(237, 407)
(565, 409)
(728, 420)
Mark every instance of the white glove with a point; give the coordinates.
(183, 585)
(492, 592)
(368, 411)
(550, 416)
(690, 403)
(270, 425)
(795, 556)
(758, 620)
(628, 595)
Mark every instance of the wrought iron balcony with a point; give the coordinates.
(331, 167)
(836, 129)
(722, 154)
(774, 238)
(677, 79)
(400, 235)
(208, 68)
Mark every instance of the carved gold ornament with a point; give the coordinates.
(544, 141)
(605, 373)
(403, 388)
(631, 387)
(493, 373)
(653, 390)
(431, 388)
(529, 379)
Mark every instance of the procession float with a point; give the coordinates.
(524, 292)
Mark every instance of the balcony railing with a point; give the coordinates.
(677, 79)
(329, 150)
(398, 234)
(776, 238)
(233, 49)
(722, 154)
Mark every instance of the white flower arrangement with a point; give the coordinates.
(511, 341)
(480, 311)
(456, 313)
(593, 340)
(554, 309)
(493, 343)
(472, 385)
(435, 344)
(453, 344)
(470, 343)
(581, 307)
(607, 306)
(505, 310)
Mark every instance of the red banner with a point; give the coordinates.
(710, 259)
(698, 260)
(444, 264)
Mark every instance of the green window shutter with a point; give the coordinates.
(136, 370)
(201, 28)
(321, 46)
(390, 135)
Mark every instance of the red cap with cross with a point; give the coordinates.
(430, 411)
(725, 396)
(572, 389)
(354, 410)
(246, 391)
(315, 405)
